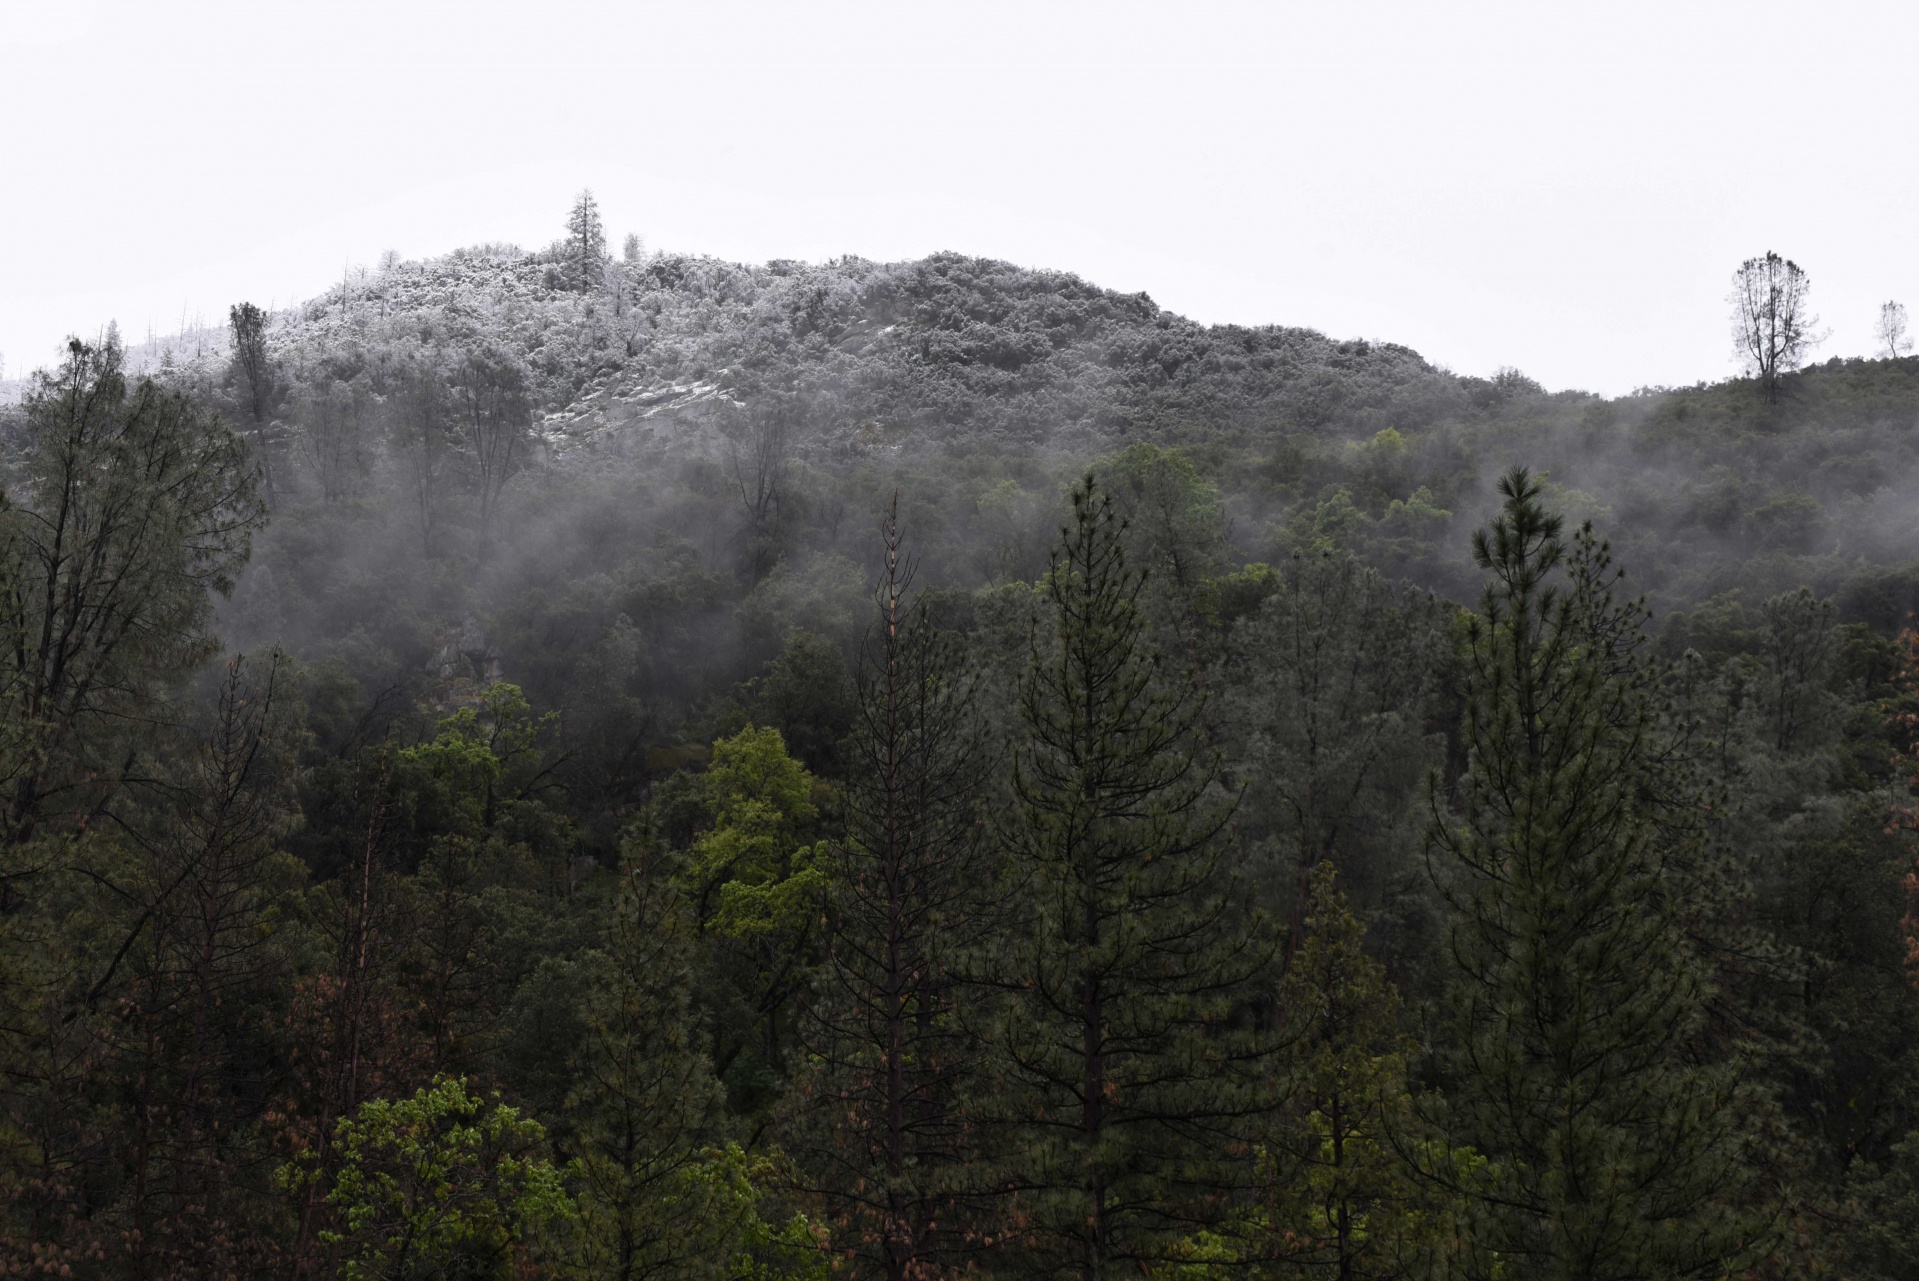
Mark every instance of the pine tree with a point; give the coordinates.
(585, 244)
(1340, 1199)
(1611, 1154)
(645, 1104)
(256, 381)
(1120, 1060)
(883, 1130)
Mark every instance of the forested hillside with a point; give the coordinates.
(553, 764)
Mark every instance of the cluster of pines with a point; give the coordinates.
(1288, 926)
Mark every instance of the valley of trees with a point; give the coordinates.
(547, 764)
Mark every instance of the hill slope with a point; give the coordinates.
(712, 441)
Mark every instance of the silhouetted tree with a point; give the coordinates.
(760, 446)
(1890, 330)
(422, 408)
(332, 418)
(1773, 327)
(494, 414)
(585, 243)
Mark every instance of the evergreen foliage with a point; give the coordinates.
(1577, 1000)
(1334, 678)
(1126, 1066)
(544, 755)
(585, 243)
(1339, 1197)
(645, 1107)
(254, 377)
(885, 1125)
(135, 510)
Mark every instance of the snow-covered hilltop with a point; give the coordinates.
(942, 346)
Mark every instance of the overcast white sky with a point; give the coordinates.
(1564, 188)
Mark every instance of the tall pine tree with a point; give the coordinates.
(1612, 1152)
(585, 244)
(1126, 1069)
(645, 1103)
(882, 1129)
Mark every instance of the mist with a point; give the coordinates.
(844, 666)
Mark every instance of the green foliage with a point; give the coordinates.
(757, 883)
(1340, 1194)
(486, 858)
(1331, 681)
(1123, 1073)
(881, 1123)
(809, 946)
(780, 1248)
(483, 757)
(1175, 525)
(645, 1106)
(1577, 994)
(442, 1185)
(807, 694)
(753, 874)
(1885, 1234)
(134, 510)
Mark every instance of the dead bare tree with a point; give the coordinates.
(1890, 330)
(1773, 328)
(760, 453)
(495, 414)
(332, 432)
(420, 409)
(195, 958)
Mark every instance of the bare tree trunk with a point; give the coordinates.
(760, 456)
(496, 415)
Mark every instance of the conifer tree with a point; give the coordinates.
(1611, 1152)
(1119, 1062)
(256, 381)
(645, 1103)
(883, 1130)
(585, 243)
(1339, 1199)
